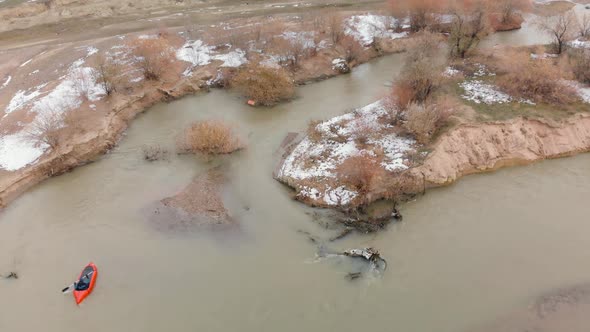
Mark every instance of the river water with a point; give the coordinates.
(464, 255)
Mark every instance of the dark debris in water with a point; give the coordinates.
(11, 275)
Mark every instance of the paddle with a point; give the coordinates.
(65, 290)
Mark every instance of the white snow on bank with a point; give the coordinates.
(17, 151)
(450, 72)
(365, 28)
(8, 79)
(199, 54)
(480, 92)
(26, 63)
(580, 43)
(91, 51)
(195, 52)
(232, 59)
(543, 56)
(315, 160)
(20, 99)
(582, 90)
(304, 38)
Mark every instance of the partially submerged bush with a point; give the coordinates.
(154, 152)
(209, 137)
(537, 80)
(266, 86)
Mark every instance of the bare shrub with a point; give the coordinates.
(209, 137)
(561, 27)
(536, 80)
(584, 26)
(335, 26)
(579, 62)
(312, 131)
(108, 74)
(353, 50)
(154, 56)
(422, 71)
(508, 8)
(362, 172)
(421, 12)
(46, 128)
(422, 121)
(266, 86)
(469, 26)
(154, 152)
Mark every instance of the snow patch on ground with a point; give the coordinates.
(580, 43)
(197, 53)
(17, 151)
(365, 28)
(232, 59)
(313, 163)
(582, 90)
(450, 72)
(480, 92)
(8, 79)
(20, 99)
(26, 63)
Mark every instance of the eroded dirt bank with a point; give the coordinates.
(314, 170)
(475, 148)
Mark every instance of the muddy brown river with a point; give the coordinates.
(463, 256)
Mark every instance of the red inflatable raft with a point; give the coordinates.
(85, 283)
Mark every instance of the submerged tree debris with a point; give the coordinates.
(376, 265)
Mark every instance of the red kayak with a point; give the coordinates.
(85, 283)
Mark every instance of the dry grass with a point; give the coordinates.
(209, 137)
(536, 80)
(266, 86)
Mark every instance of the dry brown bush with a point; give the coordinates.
(422, 72)
(312, 130)
(579, 64)
(46, 128)
(108, 74)
(266, 86)
(209, 137)
(362, 172)
(421, 12)
(336, 28)
(584, 26)
(353, 50)
(536, 80)
(154, 56)
(424, 120)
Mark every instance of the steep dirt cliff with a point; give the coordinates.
(474, 148)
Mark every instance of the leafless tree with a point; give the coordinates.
(108, 72)
(469, 26)
(561, 28)
(420, 12)
(46, 127)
